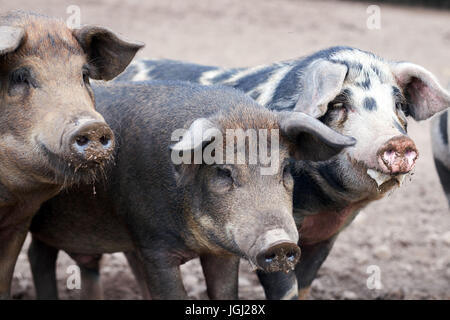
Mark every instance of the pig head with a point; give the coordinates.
(237, 206)
(360, 94)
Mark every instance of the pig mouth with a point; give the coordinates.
(382, 178)
(68, 170)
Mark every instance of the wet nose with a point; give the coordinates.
(93, 141)
(279, 257)
(398, 155)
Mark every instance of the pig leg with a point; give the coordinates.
(221, 276)
(444, 176)
(12, 238)
(313, 256)
(43, 268)
(91, 285)
(163, 275)
(139, 273)
(279, 285)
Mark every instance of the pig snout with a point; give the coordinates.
(398, 155)
(279, 257)
(276, 251)
(92, 141)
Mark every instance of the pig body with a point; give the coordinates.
(352, 91)
(50, 134)
(165, 213)
(441, 150)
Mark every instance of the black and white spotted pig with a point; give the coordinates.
(441, 150)
(356, 93)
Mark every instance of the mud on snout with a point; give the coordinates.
(272, 251)
(84, 150)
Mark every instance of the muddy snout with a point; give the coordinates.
(279, 257)
(398, 155)
(276, 251)
(91, 142)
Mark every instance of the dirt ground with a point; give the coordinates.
(407, 235)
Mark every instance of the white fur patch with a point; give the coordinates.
(143, 71)
(207, 76)
(241, 74)
(267, 88)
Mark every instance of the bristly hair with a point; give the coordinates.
(44, 36)
(245, 117)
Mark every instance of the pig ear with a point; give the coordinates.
(195, 137)
(313, 140)
(10, 38)
(108, 54)
(201, 132)
(320, 83)
(423, 93)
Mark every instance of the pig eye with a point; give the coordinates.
(337, 112)
(22, 76)
(224, 173)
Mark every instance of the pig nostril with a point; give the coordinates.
(82, 140)
(291, 256)
(104, 140)
(409, 151)
(269, 258)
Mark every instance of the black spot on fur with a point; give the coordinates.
(347, 93)
(396, 92)
(377, 71)
(365, 84)
(443, 127)
(370, 104)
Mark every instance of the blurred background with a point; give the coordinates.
(407, 235)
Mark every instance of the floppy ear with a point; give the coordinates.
(186, 154)
(313, 140)
(320, 83)
(108, 54)
(10, 38)
(423, 93)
